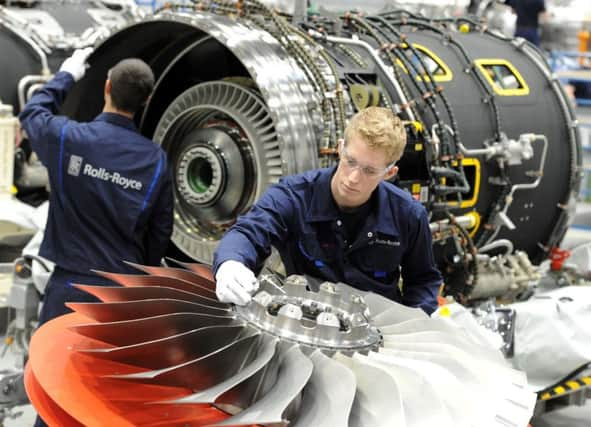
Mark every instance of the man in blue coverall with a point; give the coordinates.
(344, 223)
(528, 18)
(111, 190)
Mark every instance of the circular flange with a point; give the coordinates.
(333, 318)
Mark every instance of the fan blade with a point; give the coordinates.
(174, 350)
(129, 332)
(177, 273)
(116, 311)
(294, 371)
(370, 409)
(204, 372)
(422, 325)
(435, 337)
(265, 352)
(144, 280)
(398, 313)
(123, 294)
(376, 303)
(328, 396)
(202, 270)
(416, 391)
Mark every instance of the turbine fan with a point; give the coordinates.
(162, 350)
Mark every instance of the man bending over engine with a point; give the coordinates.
(341, 224)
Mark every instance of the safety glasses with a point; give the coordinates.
(369, 171)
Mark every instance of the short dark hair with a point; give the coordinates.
(132, 82)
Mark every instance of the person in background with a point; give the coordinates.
(528, 14)
(111, 189)
(342, 224)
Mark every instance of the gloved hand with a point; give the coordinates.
(76, 64)
(235, 283)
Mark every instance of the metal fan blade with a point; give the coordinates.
(473, 393)
(376, 303)
(174, 350)
(417, 393)
(328, 396)
(137, 293)
(396, 314)
(294, 371)
(129, 332)
(177, 273)
(145, 280)
(204, 372)
(265, 352)
(422, 325)
(435, 337)
(116, 311)
(487, 379)
(370, 409)
(200, 269)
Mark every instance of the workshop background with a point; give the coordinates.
(476, 101)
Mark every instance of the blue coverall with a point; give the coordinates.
(111, 195)
(299, 217)
(528, 12)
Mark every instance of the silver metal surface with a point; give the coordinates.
(285, 90)
(129, 332)
(117, 311)
(294, 371)
(328, 397)
(265, 352)
(398, 313)
(166, 281)
(334, 317)
(137, 293)
(203, 372)
(370, 409)
(177, 273)
(183, 348)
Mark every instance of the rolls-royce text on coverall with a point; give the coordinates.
(111, 192)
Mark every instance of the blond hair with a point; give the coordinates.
(380, 128)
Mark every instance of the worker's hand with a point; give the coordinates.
(76, 64)
(235, 283)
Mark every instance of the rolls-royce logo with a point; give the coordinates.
(75, 165)
(387, 242)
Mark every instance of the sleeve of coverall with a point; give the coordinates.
(421, 278)
(39, 119)
(160, 221)
(250, 239)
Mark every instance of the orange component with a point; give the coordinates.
(69, 389)
(18, 267)
(557, 258)
(583, 37)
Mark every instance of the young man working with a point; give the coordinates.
(344, 223)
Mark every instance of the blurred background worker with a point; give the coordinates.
(341, 224)
(529, 13)
(111, 190)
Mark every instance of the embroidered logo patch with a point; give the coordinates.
(75, 165)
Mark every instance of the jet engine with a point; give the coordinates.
(245, 95)
(35, 38)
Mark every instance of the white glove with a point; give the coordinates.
(235, 283)
(76, 64)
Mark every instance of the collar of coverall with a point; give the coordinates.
(117, 119)
(324, 208)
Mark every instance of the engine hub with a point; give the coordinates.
(333, 318)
